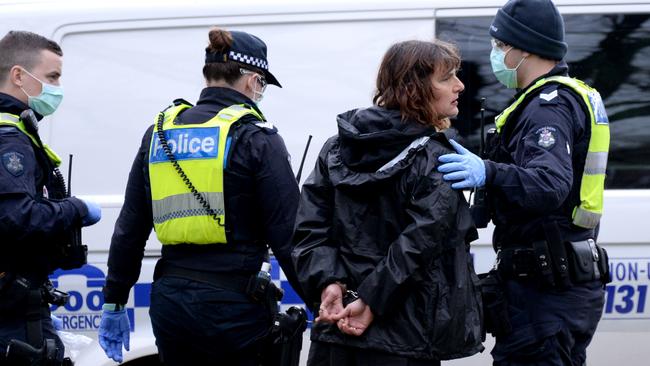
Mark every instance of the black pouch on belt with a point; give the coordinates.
(559, 255)
(544, 264)
(584, 259)
(495, 306)
(603, 265)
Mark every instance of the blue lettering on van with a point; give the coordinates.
(74, 315)
(187, 143)
(626, 298)
(141, 295)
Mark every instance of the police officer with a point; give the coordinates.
(544, 177)
(36, 217)
(214, 181)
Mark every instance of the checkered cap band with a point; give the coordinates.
(250, 60)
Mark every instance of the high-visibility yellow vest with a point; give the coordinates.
(200, 150)
(588, 213)
(8, 119)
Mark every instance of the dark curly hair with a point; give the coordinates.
(404, 79)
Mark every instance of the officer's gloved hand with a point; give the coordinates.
(94, 213)
(57, 322)
(465, 167)
(114, 332)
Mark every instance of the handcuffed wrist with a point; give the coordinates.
(112, 307)
(342, 285)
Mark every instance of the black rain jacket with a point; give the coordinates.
(35, 216)
(376, 215)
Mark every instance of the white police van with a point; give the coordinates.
(124, 61)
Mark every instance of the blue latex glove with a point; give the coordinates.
(94, 213)
(113, 333)
(57, 322)
(465, 167)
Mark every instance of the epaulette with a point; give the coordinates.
(267, 127)
(549, 95)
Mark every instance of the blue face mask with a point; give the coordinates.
(506, 76)
(48, 101)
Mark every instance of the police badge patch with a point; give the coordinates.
(546, 138)
(13, 162)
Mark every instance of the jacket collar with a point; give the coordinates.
(9, 104)
(221, 97)
(560, 69)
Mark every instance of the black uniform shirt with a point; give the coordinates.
(261, 199)
(547, 146)
(34, 216)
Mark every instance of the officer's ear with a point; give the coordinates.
(16, 76)
(251, 80)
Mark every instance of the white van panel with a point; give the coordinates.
(126, 60)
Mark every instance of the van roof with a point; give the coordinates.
(284, 6)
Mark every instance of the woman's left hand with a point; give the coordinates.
(357, 318)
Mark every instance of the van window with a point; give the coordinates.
(610, 52)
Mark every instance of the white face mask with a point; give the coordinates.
(48, 101)
(260, 85)
(505, 75)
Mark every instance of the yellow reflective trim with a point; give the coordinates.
(202, 230)
(601, 142)
(9, 119)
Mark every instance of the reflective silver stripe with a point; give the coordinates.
(225, 115)
(9, 117)
(596, 163)
(185, 205)
(586, 219)
(415, 144)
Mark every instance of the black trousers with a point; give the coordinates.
(199, 324)
(328, 354)
(550, 327)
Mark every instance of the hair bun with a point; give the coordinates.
(220, 40)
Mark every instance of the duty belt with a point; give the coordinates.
(516, 262)
(228, 281)
(577, 262)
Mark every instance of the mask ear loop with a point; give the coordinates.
(259, 94)
(35, 78)
(520, 61)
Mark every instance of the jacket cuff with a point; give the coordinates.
(115, 296)
(371, 299)
(81, 207)
(490, 171)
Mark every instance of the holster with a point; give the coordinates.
(36, 351)
(495, 305)
(284, 342)
(22, 354)
(73, 253)
(480, 209)
(560, 259)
